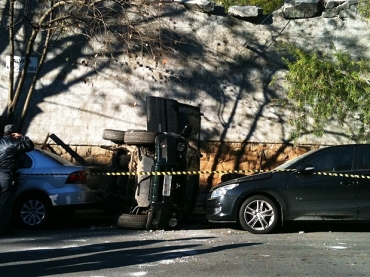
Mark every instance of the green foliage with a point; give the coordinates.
(268, 6)
(324, 90)
(364, 8)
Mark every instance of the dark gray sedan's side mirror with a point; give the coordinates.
(305, 169)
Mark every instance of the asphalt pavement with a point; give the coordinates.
(90, 244)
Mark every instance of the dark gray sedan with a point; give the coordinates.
(331, 183)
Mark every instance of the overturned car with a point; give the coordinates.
(155, 189)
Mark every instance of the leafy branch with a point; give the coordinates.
(323, 90)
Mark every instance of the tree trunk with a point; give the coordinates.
(11, 62)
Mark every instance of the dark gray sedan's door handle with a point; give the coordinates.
(346, 183)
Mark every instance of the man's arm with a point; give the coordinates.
(25, 144)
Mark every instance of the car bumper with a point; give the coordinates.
(221, 209)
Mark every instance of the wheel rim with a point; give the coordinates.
(33, 212)
(259, 215)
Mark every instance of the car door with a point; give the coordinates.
(25, 170)
(364, 181)
(313, 195)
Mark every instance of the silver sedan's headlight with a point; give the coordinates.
(222, 190)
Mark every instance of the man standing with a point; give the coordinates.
(12, 146)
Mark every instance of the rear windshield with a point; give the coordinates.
(55, 157)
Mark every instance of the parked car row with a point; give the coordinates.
(259, 203)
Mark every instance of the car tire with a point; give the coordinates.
(115, 136)
(149, 221)
(258, 215)
(132, 221)
(33, 211)
(140, 137)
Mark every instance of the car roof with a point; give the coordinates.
(289, 163)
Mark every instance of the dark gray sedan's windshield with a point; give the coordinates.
(288, 164)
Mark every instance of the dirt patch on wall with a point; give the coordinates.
(251, 157)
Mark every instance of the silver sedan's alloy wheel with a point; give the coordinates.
(33, 212)
(258, 215)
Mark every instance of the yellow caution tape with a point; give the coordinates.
(201, 172)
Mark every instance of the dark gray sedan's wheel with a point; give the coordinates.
(33, 211)
(132, 221)
(139, 137)
(115, 136)
(258, 215)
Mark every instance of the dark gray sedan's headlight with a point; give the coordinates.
(222, 190)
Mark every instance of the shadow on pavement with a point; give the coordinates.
(197, 221)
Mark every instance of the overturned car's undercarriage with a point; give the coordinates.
(150, 197)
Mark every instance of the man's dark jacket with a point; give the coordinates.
(10, 151)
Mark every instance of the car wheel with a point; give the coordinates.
(115, 136)
(258, 215)
(33, 211)
(132, 221)
(149, 221)
(140, 137)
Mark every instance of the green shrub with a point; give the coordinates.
(324, 89)
(364, 8)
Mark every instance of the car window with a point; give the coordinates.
(337, 159)
(364, 157)
(289, 163)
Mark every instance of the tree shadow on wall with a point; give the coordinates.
(74, 61)
(265, 60)
(232, 66)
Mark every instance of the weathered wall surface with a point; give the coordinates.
(217, 157)
(253, 157)
(222, 64)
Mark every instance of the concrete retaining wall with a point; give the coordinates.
(220, 63)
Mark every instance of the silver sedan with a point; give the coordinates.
(46, 182)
